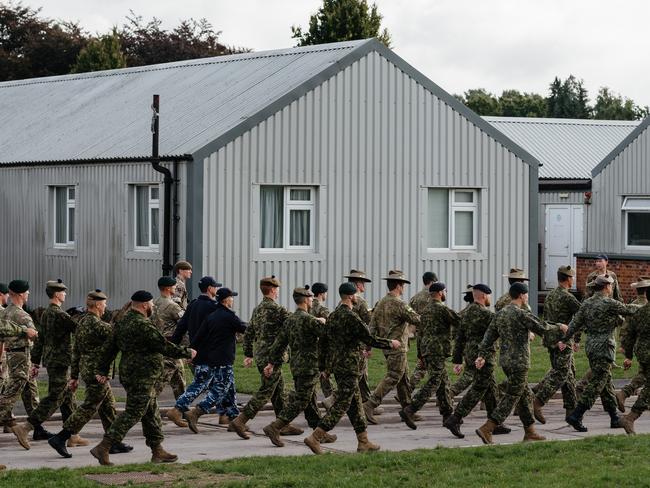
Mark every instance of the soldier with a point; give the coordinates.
(90, 337)
(639, 379)
(600, 264)
(418, 303)
(512, 325)
(475, 320)
(165, 317)
(301, 332)
(265, 325)
(599, 317)
(516, 275)
(215, 343)
(4, 297)
(390, 318)
(143, 348)
(346, 333)
(436, 323)
(466, 369)
(637, 342)
(559, 307)
(319, 310)
(183, 271)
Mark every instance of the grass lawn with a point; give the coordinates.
(596, 461)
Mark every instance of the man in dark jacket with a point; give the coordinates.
(197, 310)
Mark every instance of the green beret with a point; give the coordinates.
(141, 296)
(56, 285)
(166, 281)
(518, 289)
(97, 295)
(347, 289)
(4, 289)
(19, 286)
(319, 288)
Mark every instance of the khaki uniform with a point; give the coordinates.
(165, 316)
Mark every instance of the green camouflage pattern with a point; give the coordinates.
(266, 322)
(390, 318)
(319, 310)
(53, 347)
(559, 307)
(18, 316)
(616, 289)
(475, 320)
(180, 295)
(301, 333)
(9, 329)
(91, 336)
(437, 321)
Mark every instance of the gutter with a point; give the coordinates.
(92, 161)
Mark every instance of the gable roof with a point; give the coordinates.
(567, 148)
(204, 103)
(620, 147)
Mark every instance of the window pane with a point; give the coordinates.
(142, 216)
(60, 211)
(638, 229)
(463, 196)
(71, 193)
(636, 204)
(71, 225)
(299, 227)
(438, 219)
(271, 216)
(155, 234)
(155, 192)
(464, 228)
(302, 195)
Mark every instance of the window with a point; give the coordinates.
(287, 218)
(64, 216)
(452, 219)
(637, 222)
(147, 217)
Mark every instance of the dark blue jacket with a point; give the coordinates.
(215, 341)
(194, 316)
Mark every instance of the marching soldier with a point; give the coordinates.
(183, 271)
(466, 369)
(319, 310)
(418, 303)
(516, 275)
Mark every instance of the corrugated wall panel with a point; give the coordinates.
(372, 140)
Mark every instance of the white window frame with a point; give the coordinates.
(152, 203)
(70, 204)
(454, 207)
(627, 210)
(289, 205)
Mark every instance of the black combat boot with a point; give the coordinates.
(58, 443)
(452, 422)
(40, 434)
(120, 448)
(614, 420)
(575, 418)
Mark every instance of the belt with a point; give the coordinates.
(19, 349)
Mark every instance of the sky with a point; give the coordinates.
(459, 44)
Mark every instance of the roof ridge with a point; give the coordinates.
(559, 121)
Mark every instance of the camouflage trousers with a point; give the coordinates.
(483, 387)
(516, 394)
(173, 375)
(636, 382)
(99, 399)
(643, 402)
(17, 385)
(58, 396)
(600, 384)
(302, 399)
(270, 389)
(141, 406)
(561, 375)
(437, 382)
(465, 380)
(220, 384)
(326, 386)
(364, 386)
(397, 376)
(419, 373)
(347, 400)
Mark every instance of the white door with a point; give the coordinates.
(564, 238)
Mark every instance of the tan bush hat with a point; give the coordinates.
(396, 275)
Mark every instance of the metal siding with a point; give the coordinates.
(375, 139)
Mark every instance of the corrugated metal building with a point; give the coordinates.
(301, 163)
(568, 150)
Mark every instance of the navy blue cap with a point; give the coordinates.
(484, 288)
(437, 286)
(602, 256)
(223, 293)
(518, 289)
(207, 281)
(141, 296)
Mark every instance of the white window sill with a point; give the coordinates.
(61, 251)
(278, 256)
(466, 254)
(146, 254)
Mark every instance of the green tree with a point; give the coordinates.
(481, 101)
(100, 54)
(568, 99)
(342, 20)
(612, 106)
(513, 103)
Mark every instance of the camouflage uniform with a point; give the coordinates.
(616, 290)
(418, 303)
(165, 316)
(639, 379)
(504, 300)
(436, 323)
(7, 329)
(637, 342)
(319, 310)
(599, 316)
(474, 323)
(363, 311)
(54, 349)
(339, 354)
(266, 322)
(467, 376)
(143, 348)
(301, 333)
(389, 320)
(180, 295)
(511, 325)
(559, 307)
(89, 339)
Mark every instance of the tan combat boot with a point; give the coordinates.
(364, 445)
(273, 430)
(2, 467)
(620, 400)
(159, 455)
(328, 438)
(100, 452)
(176, 416)
(238, 425)
(314, 440)
(291, 429)
(530, 434)
(21, 431)
(537, 411)
(223, 420)
(193, 418)
(368, 409)
(77, 441)
(627, 421)
(485, 431)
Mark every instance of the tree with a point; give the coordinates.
(611, 106)
(481, 101)
(568, 99)
(513, 103)
(100, 54)
(342, 20)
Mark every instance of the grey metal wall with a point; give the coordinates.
(626, 175)
(372, 139)
(99, 258)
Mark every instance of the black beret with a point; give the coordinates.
(141, 296)
(319, 288)
(518, 289)
(166, 281)
(484, 288)
(437, 286)
(19, 286)
(429, 276)
(4, 288)
(347, 289)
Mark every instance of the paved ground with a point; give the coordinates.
(213, 442)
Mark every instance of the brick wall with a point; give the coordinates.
(627, 271)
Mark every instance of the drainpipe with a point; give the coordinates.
(168, 181)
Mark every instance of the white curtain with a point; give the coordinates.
(438, 219)
(271, 208)
(61, 204)
(299, 222)
(142, 216)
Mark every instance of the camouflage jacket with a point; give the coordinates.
(345, 334)
(166, 314)
(319, 310)
(265, 325)
(475, 320)
(559, 307)
(420, 301)
(637, 339)
(18, 316)
(362, 310)
(598, 317)
(616, 290)
(505, 300)
(9, 329)
(437, 321)
(53, 347)
(180, 295)
(89, 339)
(389, 320)
(640, 300)
(143, 348)
(511, 325)
(301, 332)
